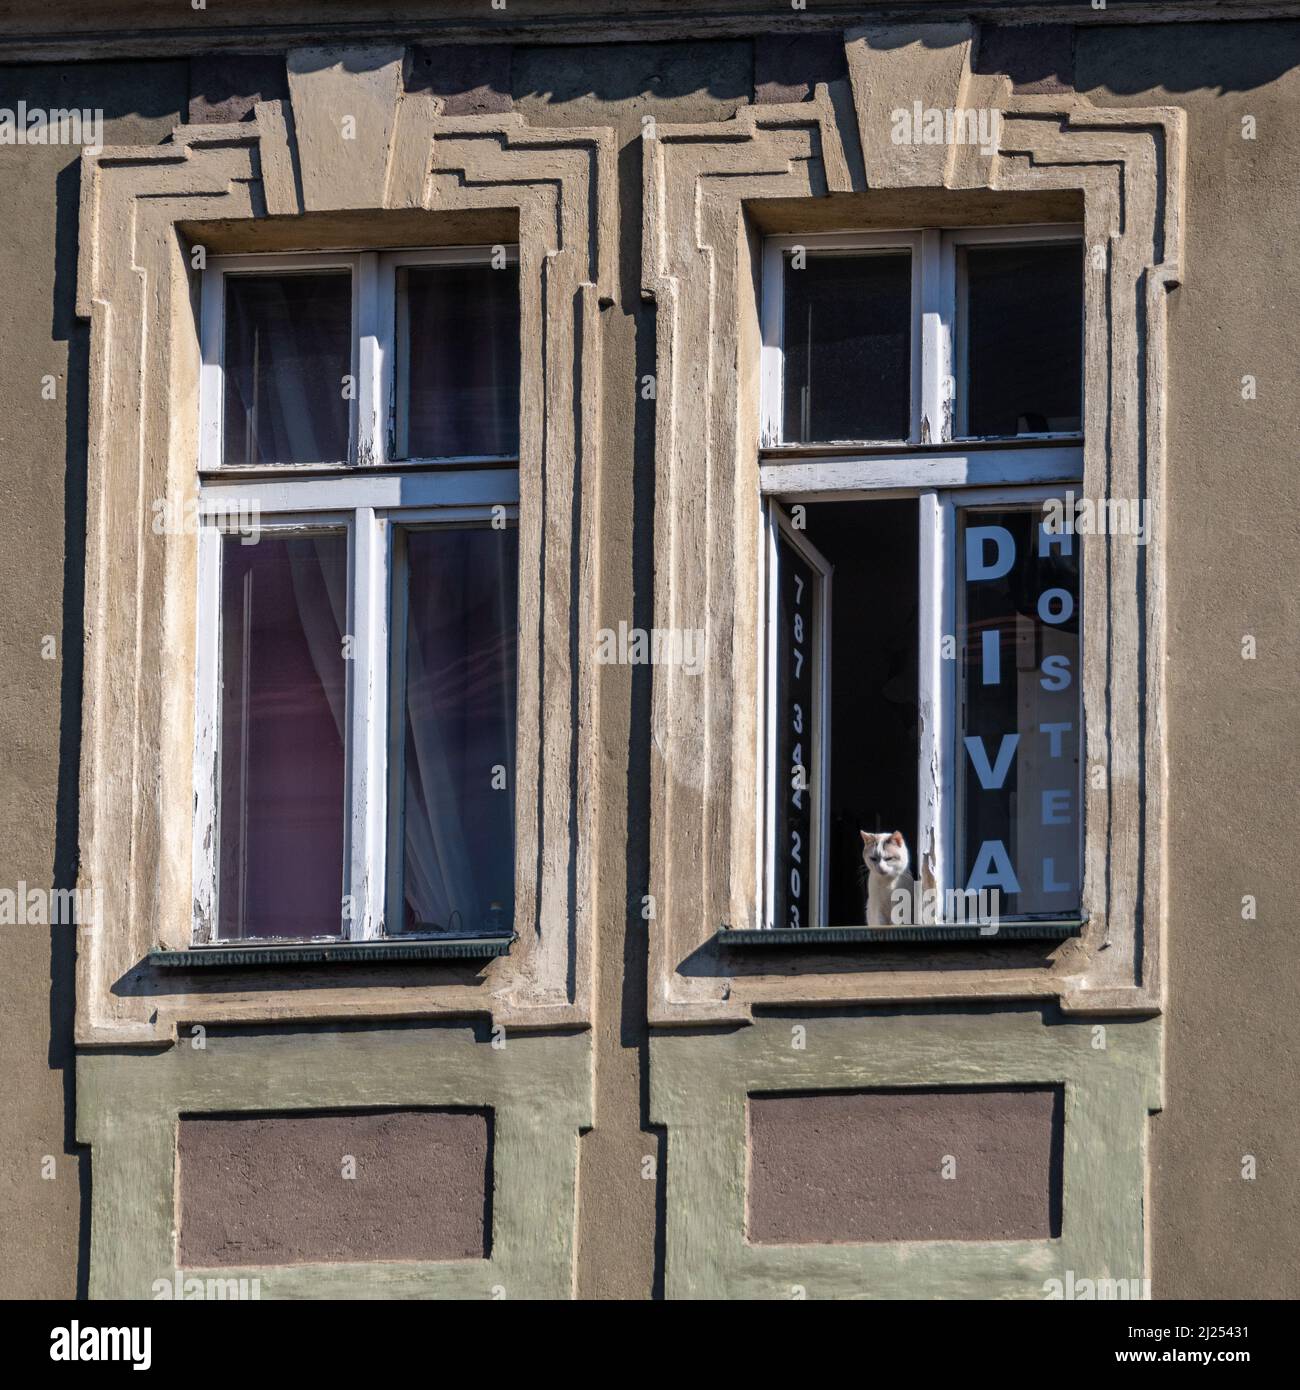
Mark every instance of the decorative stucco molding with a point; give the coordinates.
(706, 187)
(700, 1087)
(538, 1089)
(298, 173)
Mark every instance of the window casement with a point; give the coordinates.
(413, 187)
(920, 436)
(357, 597)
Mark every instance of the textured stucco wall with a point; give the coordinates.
(42, 556)
(620, 1240)
(1231, 1049)
(1232, 562)
(702, 1085)
(967, 1164)
(1234, 520)
(289, 1189)
(329, 1083)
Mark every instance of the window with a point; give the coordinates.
(358, 596)
(922, 401)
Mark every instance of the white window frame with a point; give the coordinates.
(976, 499)
(938, 313)
(388, 441)
(773, 360)
(373, 410)
(954, 278)
(776, 780)
(212, 333)
(942, 474)
(369, 502)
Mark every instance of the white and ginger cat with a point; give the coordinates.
(887, 860)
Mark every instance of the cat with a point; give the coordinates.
(887, 860)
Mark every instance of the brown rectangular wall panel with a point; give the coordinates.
(271, 1190)
(869, 1165)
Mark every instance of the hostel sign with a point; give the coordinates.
(1018, 755)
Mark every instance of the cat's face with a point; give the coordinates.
(884, 853)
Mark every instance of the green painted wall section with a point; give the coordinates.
(539, 1088)
(700, 1081)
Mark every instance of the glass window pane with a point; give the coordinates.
(283, 707)
(288, 348)
(1024, 339)
(457, 718)
(458, 361)
(1019, 734)
(874, 728)
(847, 342)
(862, 591)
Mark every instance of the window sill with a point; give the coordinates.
(392, 952)
(342, 468)
(961, 444)
(813, 938)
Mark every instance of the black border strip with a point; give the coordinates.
(811, 938)
(332, 953)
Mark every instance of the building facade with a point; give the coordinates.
(652, 651)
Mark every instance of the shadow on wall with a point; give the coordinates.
(63, 940)
(722, 70)
(478, 79)
(1117, 59)
(1126, 59)
(140, 103)
(1174, 58)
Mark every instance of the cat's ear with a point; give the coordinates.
(896, 838)
(867, 839)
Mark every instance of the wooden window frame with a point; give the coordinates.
(387, 444)
(712, 194)
(954, 291)
(367, 498)
(944, 476)
(282, 182)
(212, 330)
(774, 780)
(937, 325)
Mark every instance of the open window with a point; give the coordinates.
(921, 434)
(358, 598)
